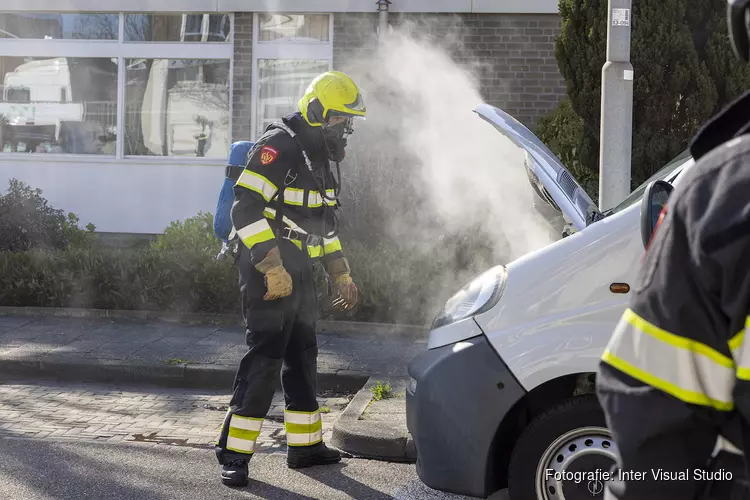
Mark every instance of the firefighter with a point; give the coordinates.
(285, 213)
(674, 380)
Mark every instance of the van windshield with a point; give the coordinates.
(663, 173)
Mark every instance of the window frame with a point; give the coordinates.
(121, 50)
(283, 49)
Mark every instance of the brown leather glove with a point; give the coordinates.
(347, 293)
(278, 281)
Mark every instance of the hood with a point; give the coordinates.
(551, 181)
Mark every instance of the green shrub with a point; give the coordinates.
(27, 221)
(195, 233)
(126, 279)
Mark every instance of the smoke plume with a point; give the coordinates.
(427, 178)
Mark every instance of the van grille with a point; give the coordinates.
(568, 184)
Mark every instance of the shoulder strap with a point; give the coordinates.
(293, 135)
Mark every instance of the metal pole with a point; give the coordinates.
(383, 16)
(616, 135)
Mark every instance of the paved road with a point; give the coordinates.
(46, 469)
(81, 441)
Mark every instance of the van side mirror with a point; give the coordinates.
(653, 202)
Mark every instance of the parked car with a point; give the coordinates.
(504, 395)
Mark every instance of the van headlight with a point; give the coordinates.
(475, 298)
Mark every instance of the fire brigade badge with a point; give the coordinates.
(267, 155)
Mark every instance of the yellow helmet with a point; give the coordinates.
(331, 94)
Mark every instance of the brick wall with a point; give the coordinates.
(512, 55)
(242, 90)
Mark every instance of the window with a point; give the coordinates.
(177, 107)
(121, 85)
(289, 51)
(177, 28)
(59, 26)
(297, 28)
(38, 118)
(281, 83)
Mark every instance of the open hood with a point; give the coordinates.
(550, 179)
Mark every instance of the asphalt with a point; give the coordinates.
(173, 354)
(49, 470)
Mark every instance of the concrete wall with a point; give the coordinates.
(513, 54)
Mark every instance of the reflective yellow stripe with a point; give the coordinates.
(313, 252)
(255, 233)
(665, 386)
(330, 246)
(675, 340)
(256, 182)
(243, 433)
(303, 428)
(686, 369)
(741, 352)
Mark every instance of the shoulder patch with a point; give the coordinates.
(268, 155)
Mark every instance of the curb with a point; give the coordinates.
(350, 329)
(364, 439)
(194, 376)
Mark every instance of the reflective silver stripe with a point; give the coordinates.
(257, 232)
(240, 445)
(683, 368)
(293, 196)
(303, 418)
(303, 428)
(723, 444)
(258, 183)
(304, 439)
(316, 199)
(246, 423)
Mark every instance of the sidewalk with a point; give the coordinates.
(179, 355)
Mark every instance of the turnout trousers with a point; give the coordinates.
(281, 339)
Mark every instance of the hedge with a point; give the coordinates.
(401, 276)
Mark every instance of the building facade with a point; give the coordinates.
(123, 111)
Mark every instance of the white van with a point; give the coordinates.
(504, 395)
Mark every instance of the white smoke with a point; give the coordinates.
(433, 194)
(466, 174)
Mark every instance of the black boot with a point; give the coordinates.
(235, 473)
(298, 457)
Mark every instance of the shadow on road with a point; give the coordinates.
(55, 472)
(334, 477)
(265, 490)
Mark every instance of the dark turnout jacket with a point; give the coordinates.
(676, 373)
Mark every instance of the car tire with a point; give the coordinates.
(570, 437)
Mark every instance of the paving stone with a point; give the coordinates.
(106, 412)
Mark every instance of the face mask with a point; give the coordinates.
(335, 138)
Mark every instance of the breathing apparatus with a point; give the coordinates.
(330, 95)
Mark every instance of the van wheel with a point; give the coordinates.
(569, 438)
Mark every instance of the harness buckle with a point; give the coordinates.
(311, 240)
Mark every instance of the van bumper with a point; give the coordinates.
(455, 403)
